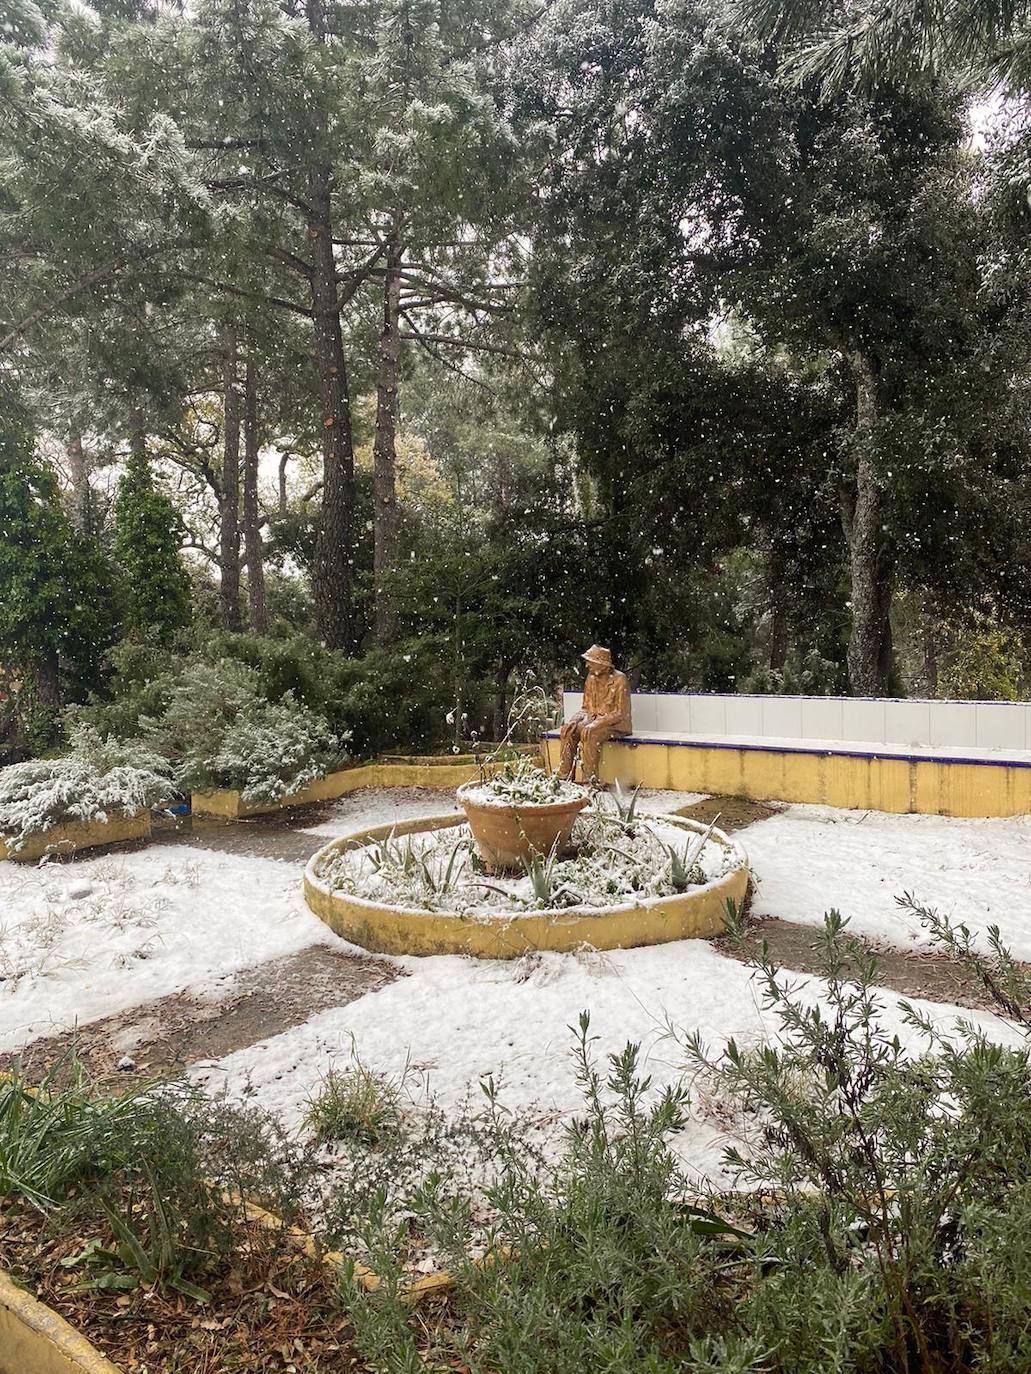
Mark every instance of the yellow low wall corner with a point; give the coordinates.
(34, 1339)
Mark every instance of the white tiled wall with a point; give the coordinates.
(966, 724)
(953, 722)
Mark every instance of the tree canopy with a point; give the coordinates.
(463, 332)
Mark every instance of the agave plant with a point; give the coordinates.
(440, 880)
(626, 805)
(684, 869)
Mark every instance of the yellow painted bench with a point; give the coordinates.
(875, 777)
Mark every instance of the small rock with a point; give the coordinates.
(125, 1064)
(75, 892)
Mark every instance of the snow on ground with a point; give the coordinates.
(87, 939)
(454, 1021)
(808, 859)
(382, 806)
(84, 940)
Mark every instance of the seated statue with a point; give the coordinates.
(605, 713)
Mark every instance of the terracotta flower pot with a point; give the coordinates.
(507, 833)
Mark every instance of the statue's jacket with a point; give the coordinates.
(607, 699)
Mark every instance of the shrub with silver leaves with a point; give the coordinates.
(274, 748)
(96, 779)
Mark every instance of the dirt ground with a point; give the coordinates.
(162, 1038)
(934, 977)
(792, 945)
(730, 813)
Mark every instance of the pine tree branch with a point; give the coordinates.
(455, 342)
(290, 259)
(98, 274)
(358, 276)
(223, 144)
(247, 295)
(445, 291)
(201, 548)
(452, 367)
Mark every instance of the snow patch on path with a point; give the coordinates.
(455, 1021)
(808, 859)
(85, 940)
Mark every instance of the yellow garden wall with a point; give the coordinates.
(437, 772)
(76, 835)
(35, 1340)
(858, 782)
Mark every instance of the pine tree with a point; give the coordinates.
(147, 534)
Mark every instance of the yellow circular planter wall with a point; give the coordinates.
(395, 930)
(34, 1339)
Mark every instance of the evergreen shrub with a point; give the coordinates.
(96, 778)
(880, 1222)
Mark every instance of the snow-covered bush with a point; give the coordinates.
(95, 779)
(199, 703)
(274, 748)
(220, 730)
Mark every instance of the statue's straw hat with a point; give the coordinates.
(597, 655)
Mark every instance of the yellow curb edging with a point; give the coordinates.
(433, 773)
(34, 1339)
(75, 835)
(395, 930)
(439, 1282)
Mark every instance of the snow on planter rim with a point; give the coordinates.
(480, 794)
(394, 929)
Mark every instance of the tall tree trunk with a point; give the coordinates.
(284, 458)
(869, 645)
(333, 558)
(46, 680)
(384, 451)
(229, 523)
(778, 610)
(499, 720)
(929, 637)
(82, 494)
(251, 515)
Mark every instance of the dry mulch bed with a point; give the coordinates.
(273, 1309)
(734, 813)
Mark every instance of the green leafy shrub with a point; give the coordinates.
(605, 1255)
(214, 720)
(148, 534)
(883, 1226)
(184, 701)
(97, 777)
(154, 1181)
(988, 660)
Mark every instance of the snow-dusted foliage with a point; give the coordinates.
(94, 780)
(274, 748)
(522, 782)
(223, 732)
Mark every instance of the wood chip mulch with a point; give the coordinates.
(273, 1310)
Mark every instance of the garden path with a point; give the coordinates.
(197, 952)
